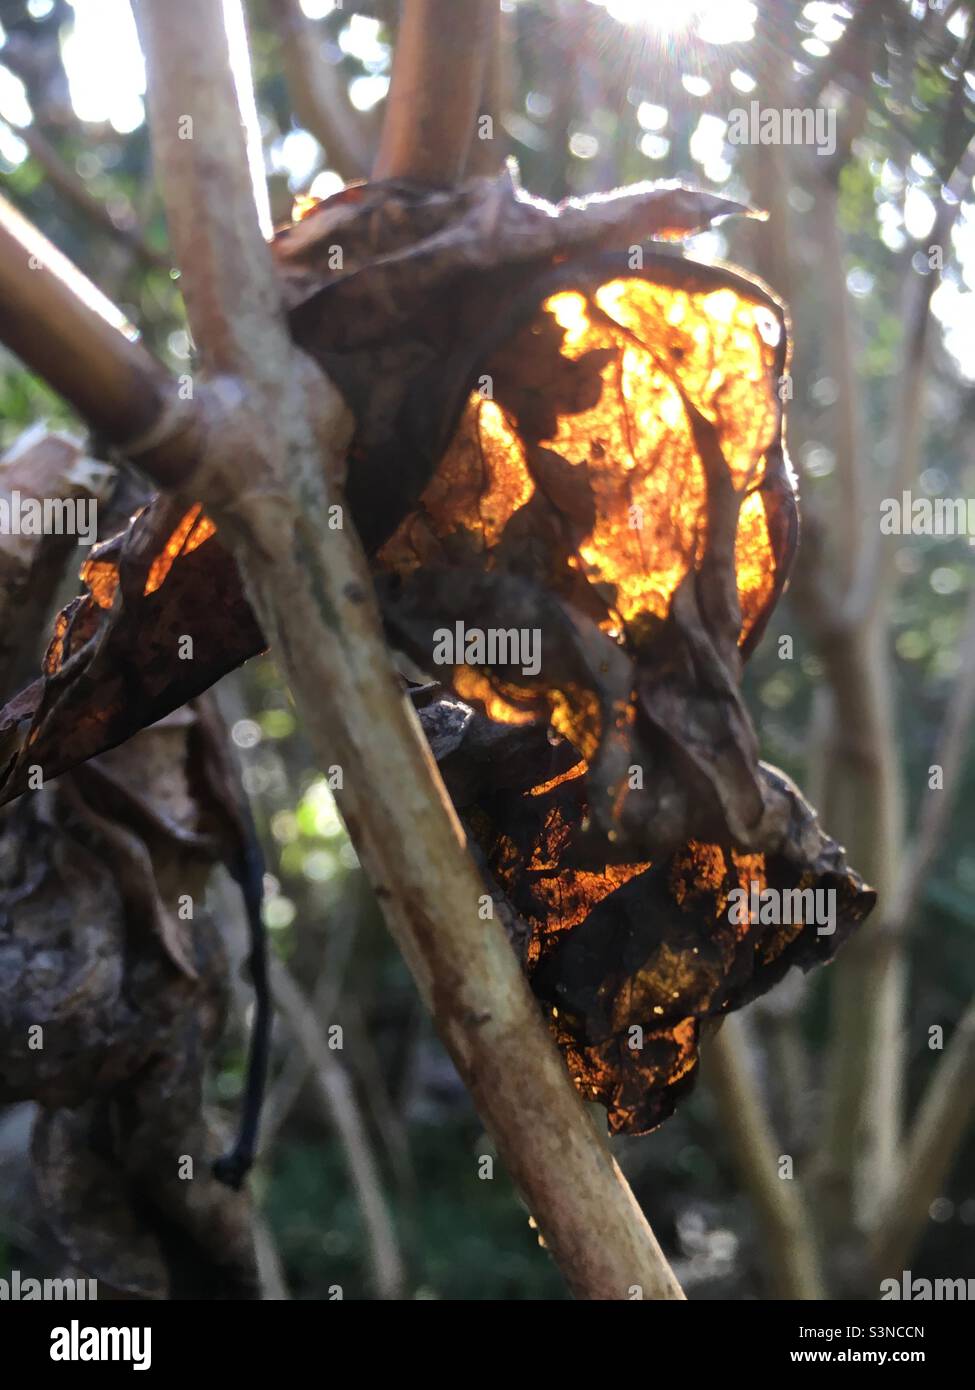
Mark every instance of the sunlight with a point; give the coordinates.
(103, 62)
(663, 16)
(233, 15)
(712, 21)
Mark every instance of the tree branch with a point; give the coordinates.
(72, 187)
(863, 794)
(863, 1130)
(438, 78)
(487, 153)
(332, 1084)
(860, 776)
(268, 476)
(274, 1288)
(789, 1243)
(949, 1100)
(322, 1001)
(318, 95)
(877, 570)
(933, 1142)
(953, 746)
(90, 357)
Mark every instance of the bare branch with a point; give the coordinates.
(864, 800)
(789, 1243)
(438, 76)
(386, 1119)
(932, 1144)
(323, 1002)
(67, 332)
(846, 434)
(268, 477)
(274, 1288)
(953, 746)
(489, 146)
(863, 1130)
(332, 1084)
(877, 571)
(72, 187)
(318, 94)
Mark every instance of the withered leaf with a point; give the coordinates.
(398, 317)
(98, 1226)
(549, 440)
(162, 590)
(623, 491)
(399, 325)
(630, 959)
(130, 1000)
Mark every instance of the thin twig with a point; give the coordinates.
(270, 1272)
(72, 187)
(332, 1082)
(386, 1119)
(295, 1072)
(877, 572)
(318, 94)
(788, 1240)
(952, 749)
(932, 1145)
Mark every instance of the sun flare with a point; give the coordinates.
(712, 21)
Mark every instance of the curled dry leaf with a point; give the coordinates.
(629, 959)
(390, 288)
(111, 1001)
(397, 320)
(623, 493)
(552, 438)
(147, 635)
